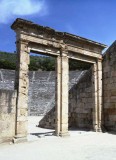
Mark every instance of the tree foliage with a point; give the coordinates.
(8, 61)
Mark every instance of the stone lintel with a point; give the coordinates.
(63, 37)
(43, 43)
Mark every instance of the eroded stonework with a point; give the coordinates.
(109, 88)
(41, 88)
(7, 114)
(81, 105)
(34, 38)
(63, 46)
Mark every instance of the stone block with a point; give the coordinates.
(22, 128)
(113, 93)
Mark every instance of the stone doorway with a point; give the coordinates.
(80, 111)
(41, 93)
(35, 38)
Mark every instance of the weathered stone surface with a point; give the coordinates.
(85, 98)
(109, 88)
(80, 108)
(7, 114)
(50, 42)
(41, 88)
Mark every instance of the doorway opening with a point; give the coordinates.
(80, 96)
(41, 93)
(36, 38)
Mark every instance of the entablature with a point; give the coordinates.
(55, 41)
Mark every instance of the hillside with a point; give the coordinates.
(8, 61)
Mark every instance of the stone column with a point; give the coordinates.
(21, 85)
(99, 80)
(95, 97)
(58, 95)
(64, 94)
(97, 94)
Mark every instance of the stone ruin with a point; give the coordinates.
(89, 102)
(41, 88)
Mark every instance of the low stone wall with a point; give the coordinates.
(7, 114)
(109, 88)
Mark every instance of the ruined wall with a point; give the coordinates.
(42, 94)
(41, 88)
(7, 114)
(109, 88)
(80, 104)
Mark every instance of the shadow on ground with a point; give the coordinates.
(43, 134)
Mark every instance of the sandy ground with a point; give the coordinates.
(42, 145)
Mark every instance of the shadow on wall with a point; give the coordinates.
(81, 102)
(80, 105)
(109, 88)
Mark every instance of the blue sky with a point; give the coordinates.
(92, 19)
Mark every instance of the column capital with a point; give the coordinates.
(64, 50)
(22, 41)
(23, 45)
(100, 60)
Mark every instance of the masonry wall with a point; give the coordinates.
(41, 88)
(109, 88)
(80, 105)
(42, 95)
(7, 114)
(81, 102)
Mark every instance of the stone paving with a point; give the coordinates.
(81, 145)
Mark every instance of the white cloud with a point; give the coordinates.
(12, 8)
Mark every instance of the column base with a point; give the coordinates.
(19, 139)
(56, 134)
(97, 130)
(64, 134)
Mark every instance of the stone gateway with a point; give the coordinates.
(31, 37)
(38, 39)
